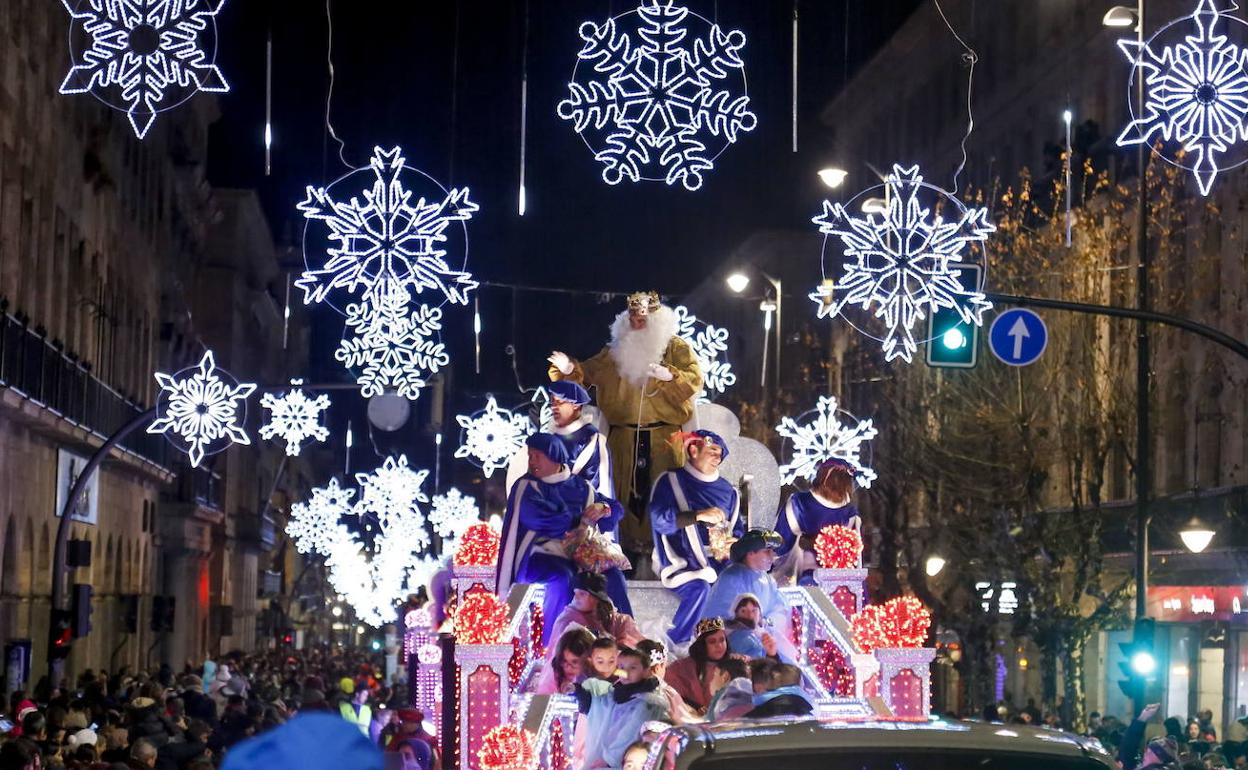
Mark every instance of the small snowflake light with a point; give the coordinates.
(656, 100)
(508, 747)
(392, 494)
(392, 345)
(821, 435)
(315, 524)
(900, 622)
(294, 417)
(903, 263)
(710, 346)
(143, 56)
(491, 436)
(478, 547)
(453, 513)
(481, 618)
(1196, 95)
(201, 409)
(838, 547)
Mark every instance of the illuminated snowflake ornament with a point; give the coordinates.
(391, 495)
(294, 417)
(655, 100)
(381, 249)
(491, 436)
(453, 513)
(1196, 92)
(316, 524)
(201, 409)
(710, 346)
(143, 56)
(905, 262)
(821, 435)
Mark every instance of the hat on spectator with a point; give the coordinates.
(754, 540)
(308, 742)
(142, 703)
(593, 584)
(347, 685)
(84, 737)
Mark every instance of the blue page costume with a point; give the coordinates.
(805, 514)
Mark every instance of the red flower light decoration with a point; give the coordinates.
(478, 547)
(482, 618)
(900, 622)
(508, 747)
(838, 547)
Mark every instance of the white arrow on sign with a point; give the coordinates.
(1018, 332)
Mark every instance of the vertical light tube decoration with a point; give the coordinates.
(268, 105)
(476, 317)
(521, 193)
(1067, 116)
(795, 15)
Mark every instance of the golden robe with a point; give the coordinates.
(665, 407)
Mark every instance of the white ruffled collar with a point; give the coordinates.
(563, 475)
(825, 502)
(570, 428)
(699, 475)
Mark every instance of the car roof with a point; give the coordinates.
(795, 735)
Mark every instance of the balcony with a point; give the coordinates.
(39, 372)
(256, 530)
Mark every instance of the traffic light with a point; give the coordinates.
(1139, 663)
(60, 634)
(288, 637)
(952, 342)
(81, 608)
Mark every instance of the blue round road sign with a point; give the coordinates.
(1018, 337)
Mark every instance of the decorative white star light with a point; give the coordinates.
(904, 262)
(491, 436)
(384, 250)
(392, 494)
(710, 346)
(139, 51)
(1196, 93)
(201, 409)
(822, 436)
(294, 417)
(453, 513)
(654, 102)
(315, 525)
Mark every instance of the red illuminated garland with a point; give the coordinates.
(536, 622)
(507, 747)
(478, 547)
(838, 547)
(558, 751)
(515, 666)
(900, 622)
(795, 618)
(832, 668)
(482, 618)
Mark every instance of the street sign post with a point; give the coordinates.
(1018, 337)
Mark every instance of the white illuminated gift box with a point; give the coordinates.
(847, 588)
(467, 577)
(906, 680)
(484, 695)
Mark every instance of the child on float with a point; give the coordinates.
(828, 502)
(604, 656)
(615, 714)
(682, 714)
(566, 667)
(748, 636)
(692, 676)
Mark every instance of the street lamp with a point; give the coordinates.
(1196, 535)
(833, 177)
(875, 206)
(738, 281)
(1120, 16)
(336, 611)
(934, 565)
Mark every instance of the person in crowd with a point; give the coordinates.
(175, 755)
(544, 506)
(567, 665)
(587, 447)
(681, 713)
(733, 691)
(20, 753)
(746, 636)
(142, 755)
(778, 690)
(691, 676)
(355, 710)
(635, 756)
(1159, 751)
(616, 713)
(685, 505)
(604, 655)
(750, 573)
(591, 607)
(828, 502)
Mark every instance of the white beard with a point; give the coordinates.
(633, 350)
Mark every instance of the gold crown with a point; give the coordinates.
(709, 626)
(643, 302)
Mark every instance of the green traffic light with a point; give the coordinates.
(954, 339)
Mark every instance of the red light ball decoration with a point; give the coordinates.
(900, 622)
(838, 547)
(508, 747)
(478, 547)
(482, 618)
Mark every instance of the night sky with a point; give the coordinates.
(452, 101)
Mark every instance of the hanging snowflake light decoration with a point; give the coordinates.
(655, 100)
(384, 248)
(201, 409)
(315, 525)
(903, 263)
(453, 513)
(392, 495)
(143, 56)
(710, 346)
(294, 417)
(1196, 92)
(821, 435)
(491, 436)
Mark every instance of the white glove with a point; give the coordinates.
(661, 372)
(561, 362)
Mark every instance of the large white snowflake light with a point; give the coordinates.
(392, 494)
(821, 435)
(904, 263)
(294, 417)
(710, 346)
(491, 436)
(1196, 92)
(453, 513)
(201, 409)
(653, 100)
(143, 56)
(315, 525)
(393, 345)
